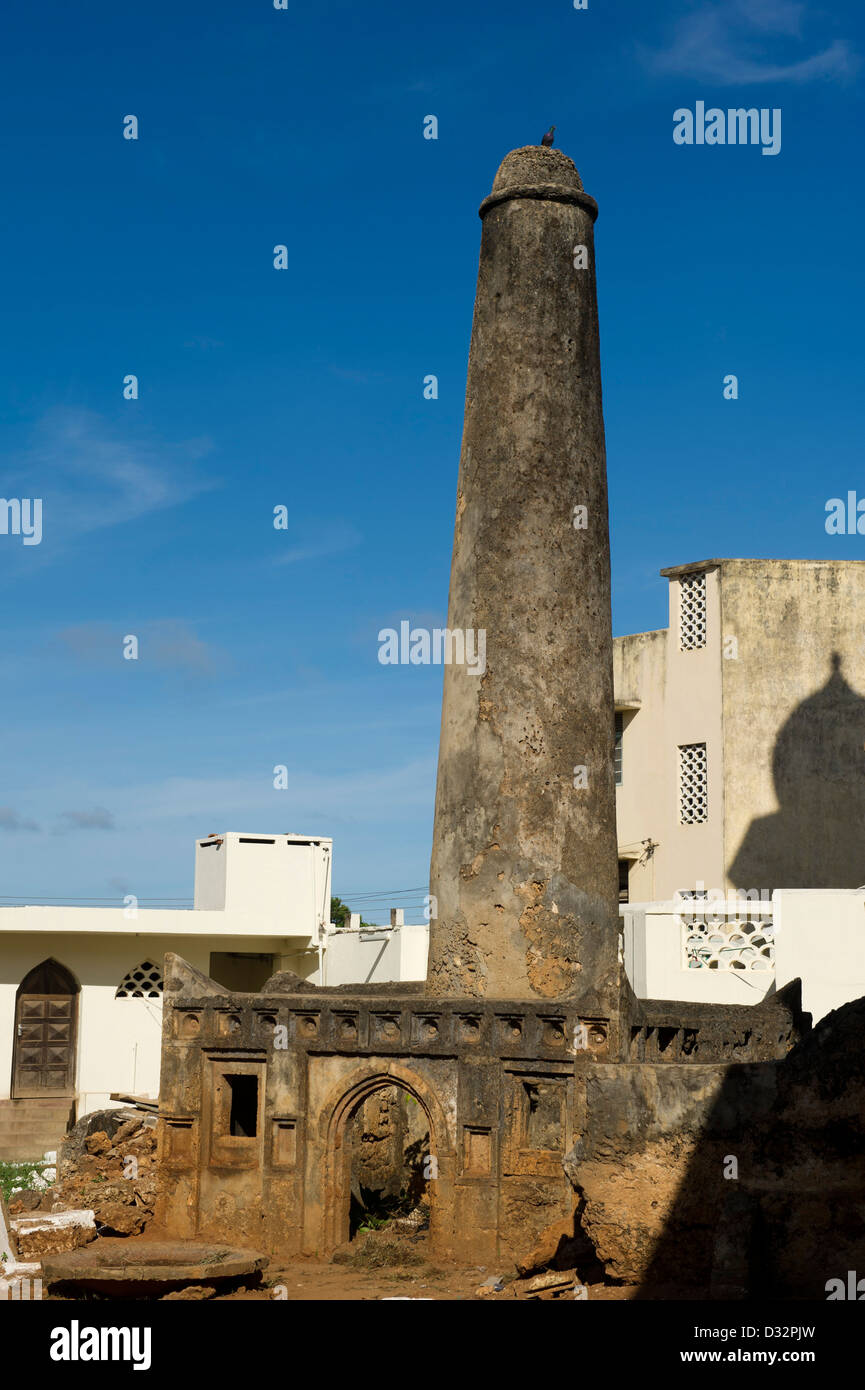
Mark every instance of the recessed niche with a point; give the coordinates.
(385, 1027)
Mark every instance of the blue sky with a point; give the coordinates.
(304, 387)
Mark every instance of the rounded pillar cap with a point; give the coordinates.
(535, 171)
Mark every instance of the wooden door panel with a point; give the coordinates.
(45, 1045)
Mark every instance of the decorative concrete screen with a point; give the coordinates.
(692, 612)
(144, 982)
(693, 784)
(727, 936)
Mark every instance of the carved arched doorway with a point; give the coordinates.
(337, 1121)
(46, 1029)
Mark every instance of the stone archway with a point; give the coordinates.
(336, 1118)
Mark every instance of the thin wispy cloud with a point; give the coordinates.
(175, 646)
(169, 644)
(12, 822)
(317, 542)
(90, 477)
(737, 42)
(227, 802)
(96, 819)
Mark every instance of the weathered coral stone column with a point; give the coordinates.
(524, 874)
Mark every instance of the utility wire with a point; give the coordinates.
(370, 898)
(43, 897)
(389, 893)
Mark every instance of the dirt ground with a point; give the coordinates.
(383, 1267)
(378, 1268)
(311, 1280)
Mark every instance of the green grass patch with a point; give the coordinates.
(16, 1175)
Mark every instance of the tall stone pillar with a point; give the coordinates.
(524, 874)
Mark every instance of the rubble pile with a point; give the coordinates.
(107, 1165)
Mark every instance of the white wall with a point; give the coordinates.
(656, 968)
(820, 939)
(286, 877)
(376, 956)
(144, 922)
(414, 950)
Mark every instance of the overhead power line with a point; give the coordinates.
(389, 893)
(370, 898)
(29, 899)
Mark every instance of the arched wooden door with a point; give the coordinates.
(46, 1019)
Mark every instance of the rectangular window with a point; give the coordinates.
(624, 868)
(693, 784)
(243, 1105)
(544, 1101)
(617, 747)
(233, 1104)
(692, 612)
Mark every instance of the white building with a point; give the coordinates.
(735, 951)
(81, 987)
(357, 954)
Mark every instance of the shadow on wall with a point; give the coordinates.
(817, 838)
(771, 1203)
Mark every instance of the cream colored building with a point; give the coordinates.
(741, 732)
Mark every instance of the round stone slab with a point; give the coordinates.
(118, 1266)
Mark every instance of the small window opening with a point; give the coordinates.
(543, 1114)
(624, 885)
(243, 1112)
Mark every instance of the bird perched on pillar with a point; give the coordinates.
(549, 137)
